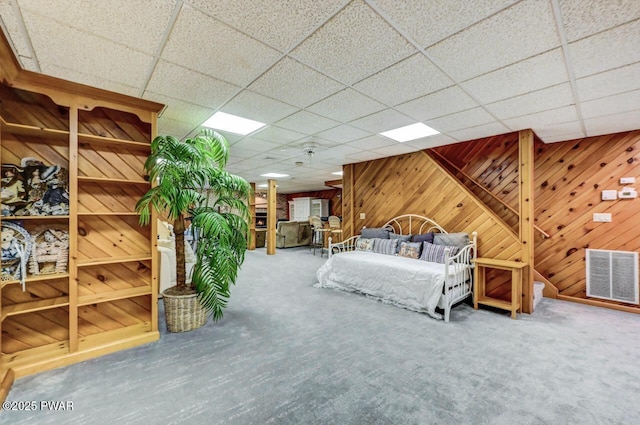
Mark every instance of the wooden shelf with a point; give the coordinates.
(38, 278)
(13, 309)
(113, 295)
(35, 355)
(113, 260)
(494, 302)
(29, 130)
(113, 213)
(109, 180)
(35, 217)
(110, 142)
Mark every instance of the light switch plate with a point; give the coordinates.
(602, 217)
(609, 195)
(362, 216)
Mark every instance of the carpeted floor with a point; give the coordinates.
(289, 353)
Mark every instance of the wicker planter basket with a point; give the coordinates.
(183, 313)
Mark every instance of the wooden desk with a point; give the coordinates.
(479, 295)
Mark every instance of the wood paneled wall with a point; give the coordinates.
(569, 178)
(333, 195)
(415, 183)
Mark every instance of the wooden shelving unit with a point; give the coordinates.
(107, 300)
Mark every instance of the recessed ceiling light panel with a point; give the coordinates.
(274, 175)
(410, 132)
(337, 173)
(232, 123)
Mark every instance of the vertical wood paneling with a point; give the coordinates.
(271, 217)
(252, 217)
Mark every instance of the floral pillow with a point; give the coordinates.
(364, 244)
(410, 249)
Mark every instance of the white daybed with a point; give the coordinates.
(407, 282)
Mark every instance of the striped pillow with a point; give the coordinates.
(385, 246)
(435, 253)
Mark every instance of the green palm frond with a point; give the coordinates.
(180, 170)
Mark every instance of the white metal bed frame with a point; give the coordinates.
(458, 269)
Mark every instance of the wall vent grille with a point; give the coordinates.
(612, 275)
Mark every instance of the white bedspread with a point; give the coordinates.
(410, 283)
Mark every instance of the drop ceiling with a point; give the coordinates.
(336, 73)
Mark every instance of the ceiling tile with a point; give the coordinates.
(190, 86)
(562, 131)
(31, 64)
(354, 44)
(485, 130)
(583, 18)
(276, 23)
(382, 121)
(615, 123)
(519, 78)
(363, 156)
(90, 80)
(175, 128)
(179, 110)
(469, 118)
(342, 134)
(428, 22)
(69, 48)
(465, 55)
(616, 81)
(138, 24)
(257, 107)
(431, 141)
(203, 44)
(278, 135)
(252, 144)
(610, 49)
(346, 105)
(406, 80)
(530, 103)
(293, 83)
(11, 23)
(306, 122)
(438, 104)
(397, 149)
(543, 119)
(611, 105)
(372, 142)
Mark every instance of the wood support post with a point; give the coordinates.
(348, 207)
(271, 217)
(251, 243)
(526, 179)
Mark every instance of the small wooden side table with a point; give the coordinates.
(479, 295)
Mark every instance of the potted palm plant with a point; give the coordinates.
(219, 217)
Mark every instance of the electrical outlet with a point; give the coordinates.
(362, 216)
(602, 217)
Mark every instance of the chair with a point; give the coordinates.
(318, 234)
(336, 228)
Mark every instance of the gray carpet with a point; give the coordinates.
(289, 353)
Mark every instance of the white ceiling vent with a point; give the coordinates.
(612, 275)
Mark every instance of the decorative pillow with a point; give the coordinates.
(457, 239)
(410, 249)
(435, 253)
(364, 244)
(375, 232)
(400, 238)
(385, 246)
(425, 237)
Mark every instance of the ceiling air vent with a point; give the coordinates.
(612, 275)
